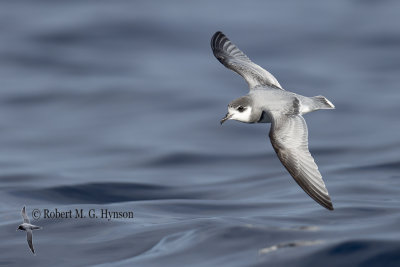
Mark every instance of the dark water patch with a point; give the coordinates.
(254, 179)
(363, 253)
(58, 64)
(192, 105)
(18, 178)
(384, 166)
(110, 29)
(122, 32)
(38, 98)
(189, 158)
(211, 207)
(349, 247)
(395, 165)
(182, 158)
(100, 193)
(86, 98)
(382, 41)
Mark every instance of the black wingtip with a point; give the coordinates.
(216, 34)
(326, 204)
(323, 201)
(216, 38)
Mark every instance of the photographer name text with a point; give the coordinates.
(81, 214)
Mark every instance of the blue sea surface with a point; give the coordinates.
(115, 105)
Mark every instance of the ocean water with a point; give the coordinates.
(115, 105)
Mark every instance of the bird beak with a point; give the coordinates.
(227, 117)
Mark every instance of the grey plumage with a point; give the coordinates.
(232, 58)
(29, 239)
(28, 227)
(268, 102)
(289, 136)
(24, 216)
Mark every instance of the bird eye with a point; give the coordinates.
(240, 108)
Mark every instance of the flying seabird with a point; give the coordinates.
(268, 102)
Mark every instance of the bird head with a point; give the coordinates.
(240, 110)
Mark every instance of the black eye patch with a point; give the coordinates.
(240, 108)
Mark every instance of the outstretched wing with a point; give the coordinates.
(232, 58)
(289, 137)
(24, 216)
(29, 239)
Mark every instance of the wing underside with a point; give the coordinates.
(289, 137)
(231, 57)
(29, 239)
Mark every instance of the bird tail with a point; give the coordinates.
(321, 102)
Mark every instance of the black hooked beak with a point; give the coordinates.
(227, 117)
